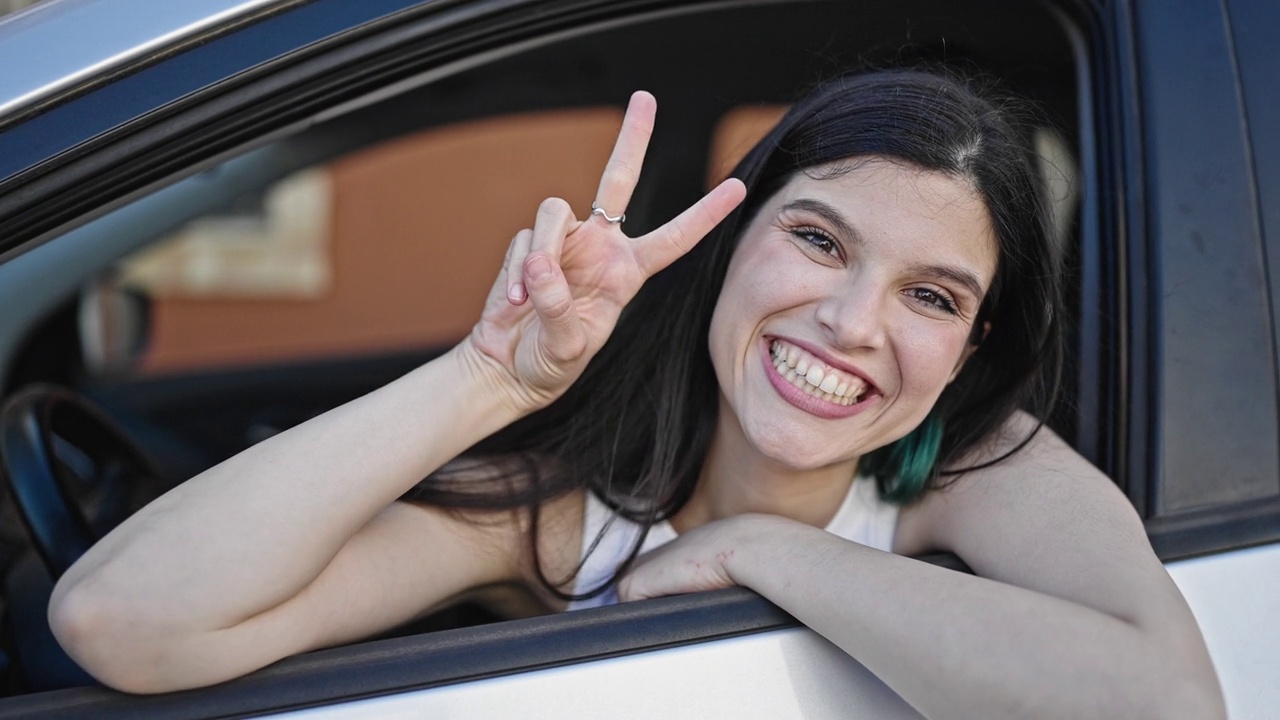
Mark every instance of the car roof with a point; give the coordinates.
(65, 44)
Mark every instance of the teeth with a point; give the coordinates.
(814, 377)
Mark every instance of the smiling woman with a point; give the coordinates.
(827, 382)
(883, 312)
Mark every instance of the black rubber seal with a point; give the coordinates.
(432, 660)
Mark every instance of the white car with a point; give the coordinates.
(219, 218)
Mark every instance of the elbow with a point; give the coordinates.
(99, 641)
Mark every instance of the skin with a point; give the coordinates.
(836, 263)
(297, 543)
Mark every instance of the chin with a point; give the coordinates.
(794, 448)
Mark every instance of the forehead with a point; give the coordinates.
(901, 207)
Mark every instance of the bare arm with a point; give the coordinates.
(295, 543)
(200, 585)
(1070, 614)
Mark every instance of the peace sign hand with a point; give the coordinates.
(564, 283)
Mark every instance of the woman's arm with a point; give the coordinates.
(1070, 614)
(292, 544)
(207, 582)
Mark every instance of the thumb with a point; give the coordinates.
(563, 337)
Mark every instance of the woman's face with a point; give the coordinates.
(847, 308)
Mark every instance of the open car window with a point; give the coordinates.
(316, 259)
(389, 248)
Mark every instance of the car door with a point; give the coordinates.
(354, 106)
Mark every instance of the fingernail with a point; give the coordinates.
(537, 268)
(516, 293)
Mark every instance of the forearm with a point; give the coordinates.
(253, 531)
(956, 645)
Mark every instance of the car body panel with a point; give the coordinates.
(1255, 29)
(1213, 309)
(1234, 598)
(81, 41)
(784, 674)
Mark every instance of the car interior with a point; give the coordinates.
(268, 285)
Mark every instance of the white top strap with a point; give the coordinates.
(862, 518)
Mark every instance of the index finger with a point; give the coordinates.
(623, 169)
(661, 247)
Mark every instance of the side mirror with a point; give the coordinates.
(115, 325)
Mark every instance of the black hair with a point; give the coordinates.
(636, 427)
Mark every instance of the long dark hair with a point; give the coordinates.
(636, 427)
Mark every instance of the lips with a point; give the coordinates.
(811, 374)
(828, 388)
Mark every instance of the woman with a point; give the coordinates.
(880, 304)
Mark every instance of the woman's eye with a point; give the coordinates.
(933, 299)
(818, 240)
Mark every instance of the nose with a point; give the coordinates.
(854, 315)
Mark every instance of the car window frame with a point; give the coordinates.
(1116, 248)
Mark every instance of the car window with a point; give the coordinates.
(735, 133)
(204, 337)
(391, 247)
(388, 248)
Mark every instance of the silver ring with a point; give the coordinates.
(597, 210)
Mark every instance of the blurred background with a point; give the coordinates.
(8, 6)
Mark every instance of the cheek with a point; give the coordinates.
(761, 281)
(727, 321)
(718, 337)
(928, 356)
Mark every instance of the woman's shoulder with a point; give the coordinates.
(1023, 465)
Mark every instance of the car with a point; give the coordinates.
(221, 218)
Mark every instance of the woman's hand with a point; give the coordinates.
(565, 282)
(707, 557)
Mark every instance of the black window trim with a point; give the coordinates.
(193, 125)
(436, 659)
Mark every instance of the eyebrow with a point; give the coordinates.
(827, 213)
(845, 230)
(957, 275)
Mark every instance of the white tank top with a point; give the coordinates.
(863, 518)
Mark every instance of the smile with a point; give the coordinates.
(848, 394)
(814, 376)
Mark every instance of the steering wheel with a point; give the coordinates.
(73, 473)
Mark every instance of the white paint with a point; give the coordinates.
(1236, 599)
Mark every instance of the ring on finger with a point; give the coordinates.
(597, 210)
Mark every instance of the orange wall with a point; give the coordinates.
(419, 228)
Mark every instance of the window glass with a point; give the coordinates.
(389, 248)
(736, 133)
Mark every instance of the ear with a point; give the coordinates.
(969, 349)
